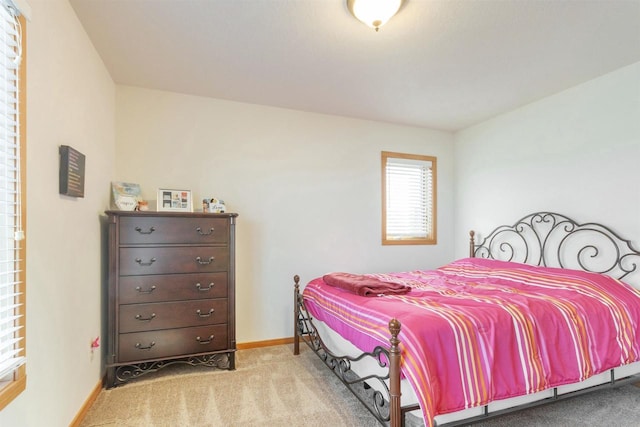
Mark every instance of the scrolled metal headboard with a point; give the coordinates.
(553, 240)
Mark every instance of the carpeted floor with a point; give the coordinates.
(271, 387)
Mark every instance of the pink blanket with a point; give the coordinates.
(479, 330)
(364, 285)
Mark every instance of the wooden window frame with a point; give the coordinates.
(431, 238)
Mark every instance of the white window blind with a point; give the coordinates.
(11, 233)
(409, 200)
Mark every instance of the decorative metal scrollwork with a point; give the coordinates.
(126, 373)
(371, 390)
(553, 240)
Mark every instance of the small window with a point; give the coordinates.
(408, 199)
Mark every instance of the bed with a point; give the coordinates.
(541, 310)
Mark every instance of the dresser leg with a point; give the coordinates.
(111, 378)
(232, 361)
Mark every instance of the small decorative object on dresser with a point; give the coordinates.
(125, 196)
(213, 205)
(174, 200)
(171, 292)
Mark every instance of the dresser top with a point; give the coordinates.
(171, 214)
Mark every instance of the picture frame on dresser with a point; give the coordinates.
(171, 200)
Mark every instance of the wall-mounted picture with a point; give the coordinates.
(174, 200)
(71, 172)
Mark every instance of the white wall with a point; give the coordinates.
(575, 153)
(306, 186)
(70, 101)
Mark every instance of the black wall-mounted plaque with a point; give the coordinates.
(71, 172)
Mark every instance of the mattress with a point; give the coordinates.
(482, 332)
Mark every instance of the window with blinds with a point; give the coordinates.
(12, 309)
(408, 199)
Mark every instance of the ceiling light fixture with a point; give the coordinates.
(374, 13)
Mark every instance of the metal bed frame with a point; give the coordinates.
(542, 238)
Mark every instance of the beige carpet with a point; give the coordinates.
(271, 387)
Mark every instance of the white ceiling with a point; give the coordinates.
(441, 64)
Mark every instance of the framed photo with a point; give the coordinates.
(174, 200)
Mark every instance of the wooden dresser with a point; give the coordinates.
(171, 292)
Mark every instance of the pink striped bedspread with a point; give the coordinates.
(479, 330)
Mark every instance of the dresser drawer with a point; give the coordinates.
(164, 260)
(165, 315)
(139, 346)
(163, 230)
(172, 287)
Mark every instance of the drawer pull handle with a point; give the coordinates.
(151, 289)
(200, 314)
(140, 347)
(145, 264)
(199, 230)
(201, 262)
(207, 341)
(207, 289)
(145, 319)
(151, 230)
